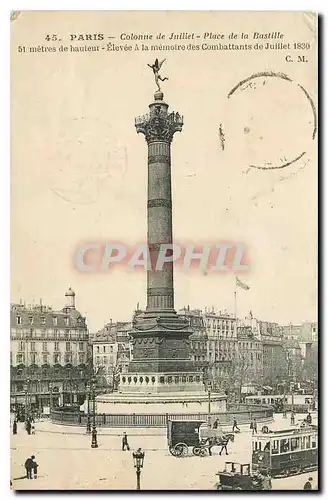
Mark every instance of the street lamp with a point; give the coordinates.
(209, 405)
(50, 395)
(94, 443)
(88, 410)
(138, 459)
(26, 389)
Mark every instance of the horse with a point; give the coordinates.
(221, 440)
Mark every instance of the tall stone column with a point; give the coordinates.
(159, 126)
(160, 336)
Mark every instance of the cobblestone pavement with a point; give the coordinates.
(66, 460)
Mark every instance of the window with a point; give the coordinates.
(81, 358)
(20, 359)
(307, 441)
(30, 320)
(302, 443)
(21, 346)
(98, 360)
(44, 346)
(294, 444)
(56, 359)
(67, 321)
(68, 346)
(33, 357)
(18, 320)
(314, 442)
(45, 359)
(32, 346)
(43, 320)
(81, 346)
(68, 358)
(284, 445)
(105, 360)
(275, 447)
(54, 321)
(97, 349)
(104, 348)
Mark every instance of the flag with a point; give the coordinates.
(241, 284)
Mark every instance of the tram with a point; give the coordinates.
(285, 452)
(273, 399)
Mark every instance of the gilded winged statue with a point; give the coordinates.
(156, 69)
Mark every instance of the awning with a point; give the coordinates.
(267, 388)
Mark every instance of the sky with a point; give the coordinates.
(79, 169)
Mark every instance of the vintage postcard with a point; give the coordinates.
(164, 180)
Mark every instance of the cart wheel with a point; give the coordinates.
(196, 450)
(203, 452)
(173, 451)
(181, 450)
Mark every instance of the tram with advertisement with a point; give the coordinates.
(283, 401)
(285, 452)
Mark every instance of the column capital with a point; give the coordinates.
(159, 124)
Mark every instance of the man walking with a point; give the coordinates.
(29, 466)
(28, 427)
(254, 427)
(125, 444)
(235, 425)
(15, 427)
(292, 418)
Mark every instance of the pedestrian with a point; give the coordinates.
(125, 444)
(308, 484)
(284, 415)
(235, 425)
(216, 424)
(254, 427)
(309, 418)
(28, 427)
(292, 418)
(33, 430)
(29, 466)
(15, 427)
(35, 468)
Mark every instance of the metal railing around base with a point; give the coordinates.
(159, 420)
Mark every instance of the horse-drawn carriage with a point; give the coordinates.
(238, 477)
(195, 434)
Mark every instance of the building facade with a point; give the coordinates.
(275, 367)
(111, 353)
(48, 355)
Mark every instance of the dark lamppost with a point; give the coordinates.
(26, 389)
(88, 410)
(209, 405)
(50, 396)
(94, 443)
(138, 459)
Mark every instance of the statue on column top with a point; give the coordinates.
(156, 68)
